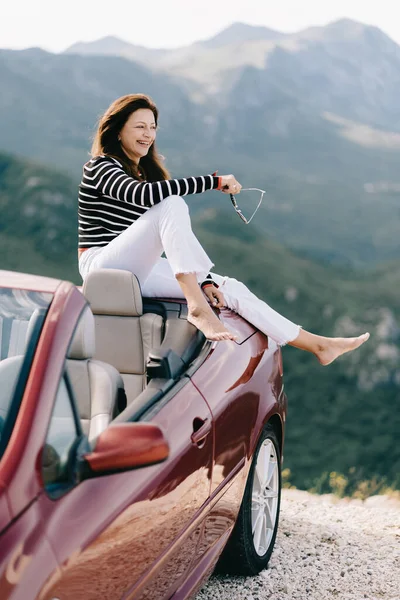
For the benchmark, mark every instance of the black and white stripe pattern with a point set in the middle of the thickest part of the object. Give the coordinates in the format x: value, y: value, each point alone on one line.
x: 110, y: 200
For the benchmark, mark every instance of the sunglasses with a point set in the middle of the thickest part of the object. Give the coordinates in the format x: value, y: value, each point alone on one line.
x: 237, y: 209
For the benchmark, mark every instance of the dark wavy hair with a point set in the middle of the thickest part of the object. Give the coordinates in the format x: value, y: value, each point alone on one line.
x: 106, y: 138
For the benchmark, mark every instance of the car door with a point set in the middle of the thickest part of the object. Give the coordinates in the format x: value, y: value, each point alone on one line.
x: 134, y: 533
x: 26, y: 557
x: 234, y: 401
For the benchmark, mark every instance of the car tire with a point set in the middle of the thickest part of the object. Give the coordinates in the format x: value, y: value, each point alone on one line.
x: 253, y: 538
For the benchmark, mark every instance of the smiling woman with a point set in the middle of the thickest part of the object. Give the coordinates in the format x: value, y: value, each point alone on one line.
x: 131, y: 211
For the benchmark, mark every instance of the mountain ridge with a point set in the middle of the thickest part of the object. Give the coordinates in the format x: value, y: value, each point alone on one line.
x: 247, y: 32
x: 329, y: 65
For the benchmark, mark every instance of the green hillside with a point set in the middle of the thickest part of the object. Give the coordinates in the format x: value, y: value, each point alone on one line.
x: 340, y: 417
x: 38, y: 228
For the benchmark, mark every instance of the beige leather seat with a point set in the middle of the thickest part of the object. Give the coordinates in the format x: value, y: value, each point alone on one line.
x: 124, y: 335
x: 9, y: 371
x: 11, y: 365
x: 97, y: 386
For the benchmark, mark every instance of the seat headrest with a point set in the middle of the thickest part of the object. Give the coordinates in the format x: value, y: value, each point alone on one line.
x: 113, y: 292
x: 83, y: 343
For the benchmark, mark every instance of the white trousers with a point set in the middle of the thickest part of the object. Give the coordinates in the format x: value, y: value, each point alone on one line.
x: 166, y: 228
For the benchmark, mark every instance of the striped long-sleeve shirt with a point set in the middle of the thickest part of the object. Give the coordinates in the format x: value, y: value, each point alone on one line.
x: 110, y: 200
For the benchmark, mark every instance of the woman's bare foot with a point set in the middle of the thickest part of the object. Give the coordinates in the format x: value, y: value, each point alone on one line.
x: 335, y: 347
x: 209, y: 324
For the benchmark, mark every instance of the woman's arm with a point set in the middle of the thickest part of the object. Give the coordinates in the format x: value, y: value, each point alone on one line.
x: 106, y: 175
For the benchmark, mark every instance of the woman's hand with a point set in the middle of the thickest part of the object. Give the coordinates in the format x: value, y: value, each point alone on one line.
x: 229, y: 185
x: 214, y: 296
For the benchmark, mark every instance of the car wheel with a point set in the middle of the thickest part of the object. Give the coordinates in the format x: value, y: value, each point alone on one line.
x: 252, y: 541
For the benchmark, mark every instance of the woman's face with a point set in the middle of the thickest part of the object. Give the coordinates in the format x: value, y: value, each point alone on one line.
x: 138, y: 134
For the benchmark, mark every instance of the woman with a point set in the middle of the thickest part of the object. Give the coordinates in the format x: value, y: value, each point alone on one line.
x: 131, y: 211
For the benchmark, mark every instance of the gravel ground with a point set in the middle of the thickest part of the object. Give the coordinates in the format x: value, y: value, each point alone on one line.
x: 326, y: 548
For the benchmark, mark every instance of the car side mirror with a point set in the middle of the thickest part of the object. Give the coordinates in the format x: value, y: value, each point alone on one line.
x: 125, y: 446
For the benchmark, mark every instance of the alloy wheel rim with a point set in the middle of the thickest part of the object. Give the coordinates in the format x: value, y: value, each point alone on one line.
x: 264, y: 497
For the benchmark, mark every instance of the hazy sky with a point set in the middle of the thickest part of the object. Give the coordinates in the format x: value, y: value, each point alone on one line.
x: 55, y: 24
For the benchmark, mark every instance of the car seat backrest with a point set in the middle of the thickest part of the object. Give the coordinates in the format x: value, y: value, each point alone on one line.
x: 10, y: 366
x: 18, y: 337
x: 124, y: 335
x: 97, y: 386
x: 9, y: 372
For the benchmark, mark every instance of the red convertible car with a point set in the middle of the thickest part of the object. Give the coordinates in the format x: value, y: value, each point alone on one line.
x: 135, y: 456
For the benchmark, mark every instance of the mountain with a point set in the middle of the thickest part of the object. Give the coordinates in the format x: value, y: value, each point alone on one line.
x: 340, y: 30
x: 341, y: 417
x: 158, y: 58
x: 114, y: 46
x: 314, y: 123
x: 345, y: 67
x: 50, y: 104
x: 241, y: 32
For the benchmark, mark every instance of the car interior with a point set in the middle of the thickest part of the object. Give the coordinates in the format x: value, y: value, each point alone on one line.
x: 149, y: 342
x: 127, y: 353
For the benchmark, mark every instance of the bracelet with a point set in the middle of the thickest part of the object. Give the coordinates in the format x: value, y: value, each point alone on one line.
x: 207, y: 283
x: 219, y: 180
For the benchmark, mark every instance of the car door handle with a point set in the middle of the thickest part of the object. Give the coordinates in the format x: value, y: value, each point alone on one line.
x: 202, y: 429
